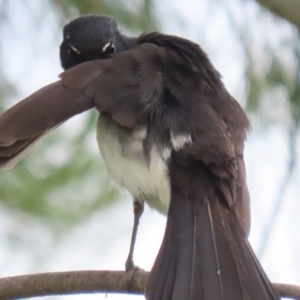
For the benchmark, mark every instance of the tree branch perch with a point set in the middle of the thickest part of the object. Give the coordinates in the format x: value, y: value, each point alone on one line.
x: 89, y: 282
x: 287, y: 9
x: 74, y: 282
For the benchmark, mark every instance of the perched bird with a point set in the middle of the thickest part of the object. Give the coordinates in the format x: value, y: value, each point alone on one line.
x: 171, y: 134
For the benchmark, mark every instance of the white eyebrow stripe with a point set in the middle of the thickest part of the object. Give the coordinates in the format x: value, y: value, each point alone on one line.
x: 106, y: 46
x: 74, y: 49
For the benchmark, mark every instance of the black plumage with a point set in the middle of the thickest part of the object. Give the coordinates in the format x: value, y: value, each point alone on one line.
x: 165, y: 113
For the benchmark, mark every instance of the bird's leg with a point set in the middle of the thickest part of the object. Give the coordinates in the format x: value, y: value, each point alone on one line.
x: 138, y: 209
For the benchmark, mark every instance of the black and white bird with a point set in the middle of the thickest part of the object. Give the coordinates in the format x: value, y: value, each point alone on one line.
x: 171, y: 134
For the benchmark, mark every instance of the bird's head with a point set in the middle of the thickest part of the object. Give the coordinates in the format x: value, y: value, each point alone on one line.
x: 91, y: 37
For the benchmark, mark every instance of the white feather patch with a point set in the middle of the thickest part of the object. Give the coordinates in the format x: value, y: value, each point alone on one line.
x: 129, y: 169
x: 166, y: 153
x: 74, y: 49
x: 180, y: 140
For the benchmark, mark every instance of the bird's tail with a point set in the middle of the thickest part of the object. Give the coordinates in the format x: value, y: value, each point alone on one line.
x: 206, y: 256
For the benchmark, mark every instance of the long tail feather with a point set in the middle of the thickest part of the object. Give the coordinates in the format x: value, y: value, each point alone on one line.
x: 205, y: 255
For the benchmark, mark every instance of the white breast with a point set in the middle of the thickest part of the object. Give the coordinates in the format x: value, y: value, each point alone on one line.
x: 122, y: 152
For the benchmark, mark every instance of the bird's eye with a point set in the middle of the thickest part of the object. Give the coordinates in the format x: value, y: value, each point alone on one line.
x: 111, y: 50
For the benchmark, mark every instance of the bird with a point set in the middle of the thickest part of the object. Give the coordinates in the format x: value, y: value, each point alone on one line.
x: 172, y: 135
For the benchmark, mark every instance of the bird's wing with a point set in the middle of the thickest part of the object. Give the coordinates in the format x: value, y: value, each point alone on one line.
x: 165, y: 83
x: 122, y: 87
x: 25, y: 123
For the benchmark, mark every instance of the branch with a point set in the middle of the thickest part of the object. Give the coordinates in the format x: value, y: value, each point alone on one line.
x: 287, y: 9
x: 287, y: 290
x: 74, y: 282
x: 90, y: 282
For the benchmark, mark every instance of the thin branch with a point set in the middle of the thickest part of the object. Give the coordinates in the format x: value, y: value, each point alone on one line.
x: 287, y: 290
x: 288, y: 9
x: 74, y: 282
x: 90, y: 282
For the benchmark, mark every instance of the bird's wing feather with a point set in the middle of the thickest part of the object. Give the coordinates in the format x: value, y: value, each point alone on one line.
x: 23, y: 124
x: 164, y: 82
x: 120, y: 87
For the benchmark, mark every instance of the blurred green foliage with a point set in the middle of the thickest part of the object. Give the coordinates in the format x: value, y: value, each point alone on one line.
x: 136, y: 15
x: 269, y: 84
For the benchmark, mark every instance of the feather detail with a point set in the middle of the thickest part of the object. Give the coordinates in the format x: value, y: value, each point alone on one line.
x: 205, y: 254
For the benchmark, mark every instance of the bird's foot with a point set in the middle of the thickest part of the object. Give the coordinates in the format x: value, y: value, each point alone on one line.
x: 131, y: 267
